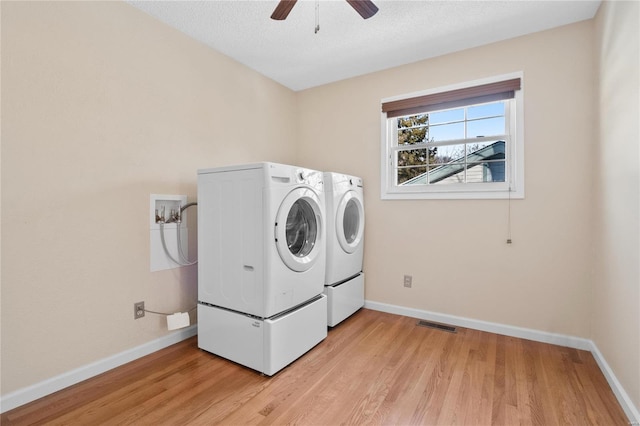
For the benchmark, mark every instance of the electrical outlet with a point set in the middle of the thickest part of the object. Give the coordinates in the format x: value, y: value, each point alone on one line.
x: 407, y: 280
x: 138, y: 310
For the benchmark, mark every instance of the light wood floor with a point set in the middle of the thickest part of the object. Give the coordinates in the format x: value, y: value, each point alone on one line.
x: 374, y: 368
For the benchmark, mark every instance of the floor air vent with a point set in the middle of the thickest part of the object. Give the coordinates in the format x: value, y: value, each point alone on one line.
x: 443, y: 327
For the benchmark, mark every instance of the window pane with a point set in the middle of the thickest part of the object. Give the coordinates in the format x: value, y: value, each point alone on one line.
x: 477, y: 152
x: 486, y: 110
x: 446, y: 174
x: 413, y: 120
x: 485, y: 127
x: 478, y: 172
x: 490, y: 171
x: 412, y: 176
x: 446, y: 154
x: 497, y: 169
x: 446, y: 116
x: 413, y: 129
x: 446, y: 132
x: 413, y: 136
x: 412, y: 157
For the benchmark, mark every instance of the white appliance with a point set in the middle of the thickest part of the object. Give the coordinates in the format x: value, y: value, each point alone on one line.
x: 344, y: 279
x: 261, y: 263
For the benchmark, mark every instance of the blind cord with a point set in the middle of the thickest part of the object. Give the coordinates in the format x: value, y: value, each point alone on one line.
x: 509, y: 241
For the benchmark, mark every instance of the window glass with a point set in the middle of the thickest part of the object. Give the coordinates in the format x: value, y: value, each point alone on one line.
x: 446, y: 132
x: 485, y: 127
x: 467, y: 162
x: 447, y: 154
x: 413, y: 129
x: 485, y: 110
x: 446, y: 174
x: 411, y: 175
x: 411, y: 163
x: 447, y: 116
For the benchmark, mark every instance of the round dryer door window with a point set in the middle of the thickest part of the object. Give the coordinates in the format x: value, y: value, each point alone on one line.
x: 350, y: 222
x: 298, y: 229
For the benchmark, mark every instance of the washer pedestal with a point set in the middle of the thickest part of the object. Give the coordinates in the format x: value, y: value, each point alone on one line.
x: 265, y: 345
x: 344, y: 299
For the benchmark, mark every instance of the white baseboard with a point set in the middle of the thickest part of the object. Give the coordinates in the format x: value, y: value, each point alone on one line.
x: 524, y: 333
x: 54, y: 384
x: 623, y: 398
x: 491, y: 327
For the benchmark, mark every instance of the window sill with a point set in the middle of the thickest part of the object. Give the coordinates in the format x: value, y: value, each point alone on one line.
x: 453, y: 195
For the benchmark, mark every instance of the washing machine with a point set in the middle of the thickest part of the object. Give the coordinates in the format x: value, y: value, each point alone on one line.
x: 344, y: 279
x: 261, y: 263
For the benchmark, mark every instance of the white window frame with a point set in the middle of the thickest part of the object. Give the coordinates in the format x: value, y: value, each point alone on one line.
x: 513, y: 187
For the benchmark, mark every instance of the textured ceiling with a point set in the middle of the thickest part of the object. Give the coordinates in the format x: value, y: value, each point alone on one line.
x: 291, y: 53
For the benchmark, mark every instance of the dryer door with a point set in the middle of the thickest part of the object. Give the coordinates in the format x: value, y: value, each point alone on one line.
x: 350, y: 221
x: 298, y: 226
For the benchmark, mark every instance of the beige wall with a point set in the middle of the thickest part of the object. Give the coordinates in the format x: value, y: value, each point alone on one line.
x: 616, y: 294
x: 456, y: 249
x: 102, y: 106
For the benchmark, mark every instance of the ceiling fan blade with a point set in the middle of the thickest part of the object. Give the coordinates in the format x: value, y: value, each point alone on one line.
x: 282, y: 9
x: 365, y: 8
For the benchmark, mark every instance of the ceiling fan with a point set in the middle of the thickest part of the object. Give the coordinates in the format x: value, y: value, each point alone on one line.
x: 365, y: 8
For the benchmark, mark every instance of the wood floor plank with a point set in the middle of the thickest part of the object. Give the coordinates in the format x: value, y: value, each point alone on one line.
x: 411, y: 390
x: 374, y: 368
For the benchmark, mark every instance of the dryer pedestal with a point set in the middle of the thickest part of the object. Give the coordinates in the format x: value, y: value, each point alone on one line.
x: 265, y: 345
x: 344, y: 299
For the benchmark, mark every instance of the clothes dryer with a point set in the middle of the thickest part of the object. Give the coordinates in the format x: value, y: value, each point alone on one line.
x: 261, y: 267
x: 344, y: 279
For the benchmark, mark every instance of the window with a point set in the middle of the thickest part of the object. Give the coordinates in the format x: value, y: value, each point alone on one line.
x: 455, y: 142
